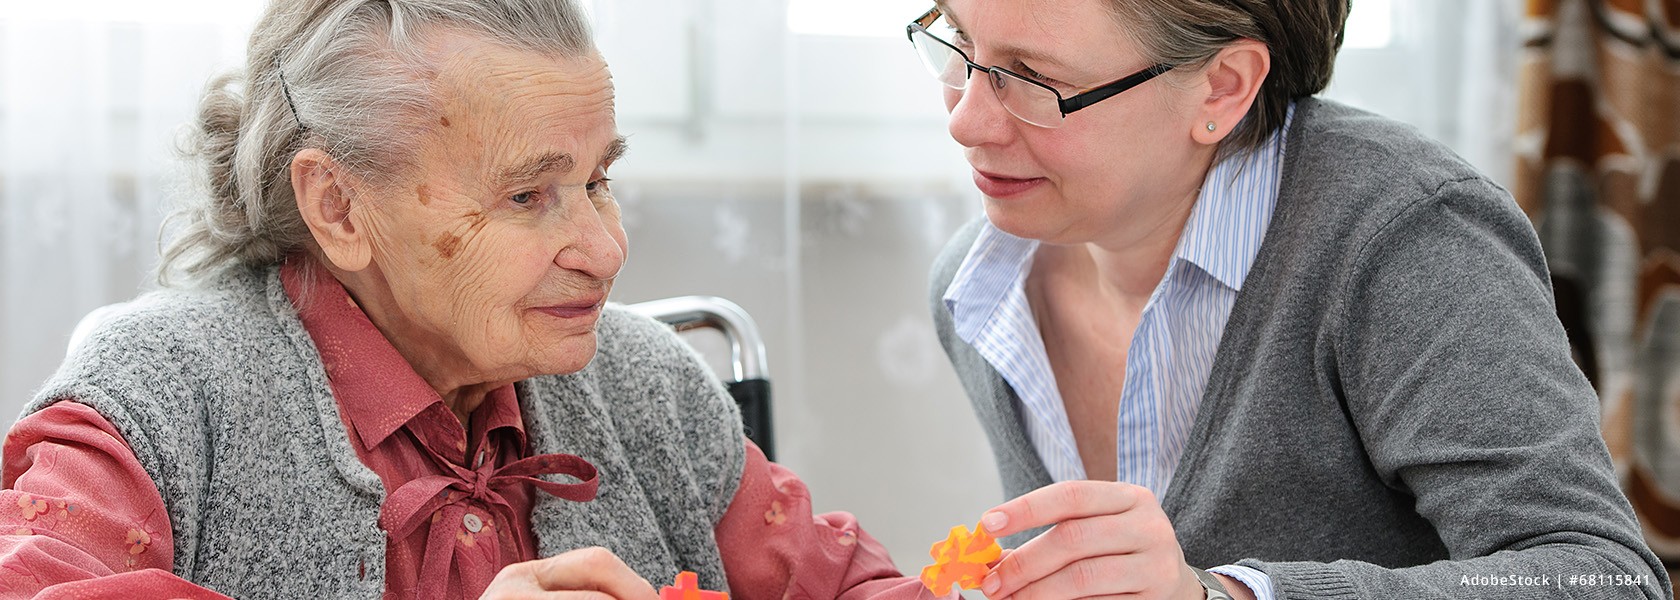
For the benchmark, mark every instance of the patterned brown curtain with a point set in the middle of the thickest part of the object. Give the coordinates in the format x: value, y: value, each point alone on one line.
x: 1598, y: 171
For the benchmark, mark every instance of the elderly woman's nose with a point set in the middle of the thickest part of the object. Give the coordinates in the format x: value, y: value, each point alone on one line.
x: 593, y: 246
x: 977, y: 116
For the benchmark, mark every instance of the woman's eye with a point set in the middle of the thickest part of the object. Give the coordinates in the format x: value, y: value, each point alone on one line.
x: 523, y: 198
x: 1035, y: 74
x: 961, y: 39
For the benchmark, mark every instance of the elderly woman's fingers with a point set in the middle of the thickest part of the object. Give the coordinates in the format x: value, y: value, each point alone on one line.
x: 585, y: 573
x: 571, y: 596
x: 592, y: 569
x: 536, y: 594
x: 542, y: 595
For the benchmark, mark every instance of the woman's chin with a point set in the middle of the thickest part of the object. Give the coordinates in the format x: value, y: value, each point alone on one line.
x: 1020, y: 220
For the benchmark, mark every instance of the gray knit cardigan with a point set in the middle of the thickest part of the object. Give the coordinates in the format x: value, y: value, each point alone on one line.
x: 1392, y: 411
x: 223, y: 398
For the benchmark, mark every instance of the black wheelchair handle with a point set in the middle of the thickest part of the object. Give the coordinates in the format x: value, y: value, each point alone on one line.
x: 753, y: 396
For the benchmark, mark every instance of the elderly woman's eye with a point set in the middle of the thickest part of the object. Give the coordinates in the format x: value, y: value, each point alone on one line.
x: 523, y: 198
x: 599, y: 185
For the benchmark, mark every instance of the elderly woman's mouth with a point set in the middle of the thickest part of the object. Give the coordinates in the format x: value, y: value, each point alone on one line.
x: 587, y: 306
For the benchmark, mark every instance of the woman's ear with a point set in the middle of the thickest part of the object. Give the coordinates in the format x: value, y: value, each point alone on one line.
x: 323, y: 195
x: 1234, y: 78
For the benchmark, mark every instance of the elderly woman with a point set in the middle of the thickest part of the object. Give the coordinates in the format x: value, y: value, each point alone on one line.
x: 394, y: 371
x: 1211, y: 322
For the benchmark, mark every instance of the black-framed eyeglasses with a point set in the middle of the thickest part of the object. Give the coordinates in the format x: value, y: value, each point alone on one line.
x: 1028, y: 100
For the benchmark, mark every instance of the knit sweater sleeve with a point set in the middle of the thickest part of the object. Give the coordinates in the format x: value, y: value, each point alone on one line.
x: 659, y: 364
x: 1455, y: 372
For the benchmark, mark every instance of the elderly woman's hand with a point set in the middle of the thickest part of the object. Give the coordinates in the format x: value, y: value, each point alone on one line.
x: 592, y: 573
x: 1109, y: 539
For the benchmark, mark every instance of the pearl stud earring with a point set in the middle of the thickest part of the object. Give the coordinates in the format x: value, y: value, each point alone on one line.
x: 1211, y: 126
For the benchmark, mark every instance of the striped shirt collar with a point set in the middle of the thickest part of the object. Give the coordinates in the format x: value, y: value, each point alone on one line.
x: 995, y: 266
x: 1233, y: 209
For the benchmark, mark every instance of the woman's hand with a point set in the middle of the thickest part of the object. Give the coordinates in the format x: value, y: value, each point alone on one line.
x: 585, y: 574
x: 1109, y: 539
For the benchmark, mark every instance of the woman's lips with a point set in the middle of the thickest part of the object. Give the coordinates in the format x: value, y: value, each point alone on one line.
x: 997, y: 186
x: 583, y: 307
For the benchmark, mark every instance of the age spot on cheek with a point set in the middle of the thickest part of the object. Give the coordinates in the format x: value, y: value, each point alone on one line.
x: 444, y: 121
x: 449, y: 243
x: 424, y: 193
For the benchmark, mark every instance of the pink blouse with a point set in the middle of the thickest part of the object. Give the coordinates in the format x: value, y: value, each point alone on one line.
x: 80, y: 518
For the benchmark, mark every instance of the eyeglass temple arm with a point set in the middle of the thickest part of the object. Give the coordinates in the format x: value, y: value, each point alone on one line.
x: 922, y: 22
x: 1104, y: 92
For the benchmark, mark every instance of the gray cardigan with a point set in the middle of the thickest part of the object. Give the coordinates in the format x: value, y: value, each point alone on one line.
x: 223, y: 398
x: 1393, y: 411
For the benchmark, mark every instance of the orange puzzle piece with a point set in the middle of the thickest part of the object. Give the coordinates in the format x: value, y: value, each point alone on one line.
x: 688, y: 588
x: 960, y: 560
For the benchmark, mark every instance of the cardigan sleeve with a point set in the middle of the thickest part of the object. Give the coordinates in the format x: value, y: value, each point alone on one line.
x: 1455, y: 372
x: 79, y: 517
x: 773, y: 547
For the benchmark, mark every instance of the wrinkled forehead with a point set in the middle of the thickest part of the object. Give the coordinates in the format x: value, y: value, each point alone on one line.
x: 469, y: 71
x: 500, y: 104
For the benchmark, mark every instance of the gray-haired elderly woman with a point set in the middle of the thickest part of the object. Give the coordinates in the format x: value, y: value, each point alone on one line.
x: 393, y: 371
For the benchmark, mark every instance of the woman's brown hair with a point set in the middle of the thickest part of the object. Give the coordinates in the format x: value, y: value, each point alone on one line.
x: 1303, y: 37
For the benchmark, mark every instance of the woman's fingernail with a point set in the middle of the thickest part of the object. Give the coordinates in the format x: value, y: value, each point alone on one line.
x: 989, y: 585
x: 994, y: 520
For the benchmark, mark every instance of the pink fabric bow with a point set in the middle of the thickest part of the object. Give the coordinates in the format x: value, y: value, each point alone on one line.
x: 413, y: 505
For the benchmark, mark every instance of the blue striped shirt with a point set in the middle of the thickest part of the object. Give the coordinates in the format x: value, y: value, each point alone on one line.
x: 1172, y: 349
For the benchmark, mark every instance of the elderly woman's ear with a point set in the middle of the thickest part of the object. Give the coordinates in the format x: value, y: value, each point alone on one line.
x: 1234, y: 77
x: 324, y: 200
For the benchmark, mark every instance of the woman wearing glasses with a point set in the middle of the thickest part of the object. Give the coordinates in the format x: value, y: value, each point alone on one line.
x: 1210, y: 321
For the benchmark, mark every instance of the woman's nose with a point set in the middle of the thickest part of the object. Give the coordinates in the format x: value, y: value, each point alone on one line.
x: 594, y: 242
x: 978, y: 118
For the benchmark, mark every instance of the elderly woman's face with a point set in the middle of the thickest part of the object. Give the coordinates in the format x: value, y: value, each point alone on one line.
x: 500, y: 250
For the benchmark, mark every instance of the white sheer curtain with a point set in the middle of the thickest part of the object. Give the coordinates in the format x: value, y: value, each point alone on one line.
x: 92, y: 95
x: 1446, y: 66
x: 798, y: 166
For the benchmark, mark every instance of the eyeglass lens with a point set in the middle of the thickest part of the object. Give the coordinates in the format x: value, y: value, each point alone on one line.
x: 1027, y: 101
